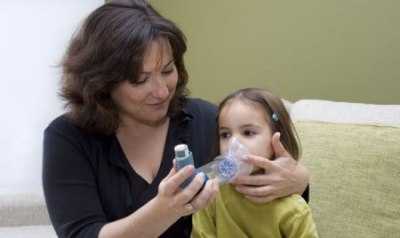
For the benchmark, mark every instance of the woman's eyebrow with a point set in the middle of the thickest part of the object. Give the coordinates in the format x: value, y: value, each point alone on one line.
x: 165, y: 66
x: 169, y: 63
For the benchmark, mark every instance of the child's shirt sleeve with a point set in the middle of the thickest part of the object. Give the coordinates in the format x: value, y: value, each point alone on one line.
x: 299, y: 225
x: 204, y: 225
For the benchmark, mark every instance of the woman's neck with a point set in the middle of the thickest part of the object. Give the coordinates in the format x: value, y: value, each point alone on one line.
x: 132, y: 129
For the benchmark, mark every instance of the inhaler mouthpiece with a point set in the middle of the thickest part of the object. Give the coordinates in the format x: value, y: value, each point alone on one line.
x: 233, y: 165
x: 226, y: 167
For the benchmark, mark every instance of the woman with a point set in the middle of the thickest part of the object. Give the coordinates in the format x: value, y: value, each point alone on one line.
x: 108, y: 162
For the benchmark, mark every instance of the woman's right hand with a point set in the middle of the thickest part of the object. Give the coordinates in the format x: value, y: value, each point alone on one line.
x: 183, y: 202
x: 170, y: 204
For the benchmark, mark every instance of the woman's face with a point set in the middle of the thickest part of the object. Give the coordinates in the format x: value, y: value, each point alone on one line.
x: 246, y: 122
x: 147, y: 100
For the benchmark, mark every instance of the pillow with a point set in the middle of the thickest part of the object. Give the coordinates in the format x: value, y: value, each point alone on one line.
x: 345, y: 112
x: 355, y: 184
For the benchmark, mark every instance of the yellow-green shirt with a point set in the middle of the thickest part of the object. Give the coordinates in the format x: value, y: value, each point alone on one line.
x: 232, y: 215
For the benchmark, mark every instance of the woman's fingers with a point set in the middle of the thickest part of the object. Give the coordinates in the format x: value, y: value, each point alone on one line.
x: 206, y: 195
x: 254, y: 180
x: 174, y: 179
x: 258, y: 194
x: 171, y: 172
x: 260, y: 191
x: 260, y: 162
x: 187, y: 194
x: 188, y: 200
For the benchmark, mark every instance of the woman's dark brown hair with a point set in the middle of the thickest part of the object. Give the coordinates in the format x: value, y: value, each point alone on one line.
x: 271, y: 104
x: 108, y: 49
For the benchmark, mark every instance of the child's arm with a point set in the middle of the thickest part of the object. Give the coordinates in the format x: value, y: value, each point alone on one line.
x: 299, y: 224
x: 204, y: 225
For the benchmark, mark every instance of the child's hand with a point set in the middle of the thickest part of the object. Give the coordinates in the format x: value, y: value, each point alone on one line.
x: 278, y: 178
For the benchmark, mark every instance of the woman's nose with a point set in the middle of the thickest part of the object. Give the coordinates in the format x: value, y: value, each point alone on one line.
x: 160, y: 89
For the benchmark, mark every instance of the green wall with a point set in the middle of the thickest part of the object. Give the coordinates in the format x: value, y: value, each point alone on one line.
x: 336, y: 50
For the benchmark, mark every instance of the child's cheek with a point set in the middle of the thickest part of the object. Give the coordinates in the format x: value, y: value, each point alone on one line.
x: 223, y: 146
x: 261, y: 147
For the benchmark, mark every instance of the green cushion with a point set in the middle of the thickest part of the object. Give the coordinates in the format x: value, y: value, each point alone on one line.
x: 355, y: 184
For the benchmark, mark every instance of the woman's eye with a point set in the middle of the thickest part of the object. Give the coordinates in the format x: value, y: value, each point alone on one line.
x: 140, y: 81
x: 168, y: 72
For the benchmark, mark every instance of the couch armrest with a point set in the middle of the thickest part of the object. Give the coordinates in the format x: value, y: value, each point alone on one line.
x: 19, y: 208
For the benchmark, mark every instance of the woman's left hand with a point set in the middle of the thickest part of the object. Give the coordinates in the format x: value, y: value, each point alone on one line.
x: 279, y: 178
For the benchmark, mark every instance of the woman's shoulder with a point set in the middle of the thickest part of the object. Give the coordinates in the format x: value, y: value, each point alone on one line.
x: 64, y: 126
x: 200, y: 107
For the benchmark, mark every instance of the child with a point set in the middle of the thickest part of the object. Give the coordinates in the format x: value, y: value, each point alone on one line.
x: 253, y: 116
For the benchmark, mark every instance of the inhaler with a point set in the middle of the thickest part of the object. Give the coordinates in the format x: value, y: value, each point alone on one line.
x: 183, y: 157
x: 226, y: 167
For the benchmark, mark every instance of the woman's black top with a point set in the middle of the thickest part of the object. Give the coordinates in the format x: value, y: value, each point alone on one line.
x: 89, y: 182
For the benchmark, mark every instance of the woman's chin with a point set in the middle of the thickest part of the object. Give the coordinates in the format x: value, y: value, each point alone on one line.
x: 158, y: 118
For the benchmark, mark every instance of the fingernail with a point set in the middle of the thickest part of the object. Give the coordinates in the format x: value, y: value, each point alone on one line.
x: 246, y: 158
x: 202, y: 175
x: 189, y: 168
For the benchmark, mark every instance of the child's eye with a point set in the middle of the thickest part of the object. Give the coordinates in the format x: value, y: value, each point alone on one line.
x: 224, y: 135
x: 249, y: 133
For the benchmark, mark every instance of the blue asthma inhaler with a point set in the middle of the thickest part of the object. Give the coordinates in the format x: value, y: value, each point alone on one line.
x: 184, y: 157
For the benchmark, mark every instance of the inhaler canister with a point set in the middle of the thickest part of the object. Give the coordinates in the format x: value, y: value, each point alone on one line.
x: 183, y: 157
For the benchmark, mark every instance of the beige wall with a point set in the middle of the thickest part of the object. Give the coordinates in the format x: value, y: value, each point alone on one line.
x: 337, y: 50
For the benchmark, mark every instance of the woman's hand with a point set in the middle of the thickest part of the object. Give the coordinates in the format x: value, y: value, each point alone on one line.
x: 278, y: 178
x: 171, y: 203
x: 182, y: 202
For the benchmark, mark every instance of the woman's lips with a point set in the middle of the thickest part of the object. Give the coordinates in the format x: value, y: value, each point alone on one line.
x: 161, y: 104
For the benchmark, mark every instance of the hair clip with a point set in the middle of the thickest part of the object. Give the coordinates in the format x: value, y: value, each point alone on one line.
x: 275, y: 117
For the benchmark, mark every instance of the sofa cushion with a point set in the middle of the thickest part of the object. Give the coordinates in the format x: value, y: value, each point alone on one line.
x: 355, y: 188
x: 43, y: 231
x: 345, y: 112
x: 25, y: 208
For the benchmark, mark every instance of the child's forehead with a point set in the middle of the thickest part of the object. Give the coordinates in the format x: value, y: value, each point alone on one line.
x: 244, y: 102
x: 244, y: 109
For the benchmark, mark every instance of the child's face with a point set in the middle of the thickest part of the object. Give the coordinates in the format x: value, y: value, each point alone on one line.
x: 248, y: 123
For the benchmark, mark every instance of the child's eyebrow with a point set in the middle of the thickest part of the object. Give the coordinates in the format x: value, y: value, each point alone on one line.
x: 249, y: 125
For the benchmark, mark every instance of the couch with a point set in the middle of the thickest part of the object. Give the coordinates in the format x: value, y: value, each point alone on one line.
x: 351, y: 149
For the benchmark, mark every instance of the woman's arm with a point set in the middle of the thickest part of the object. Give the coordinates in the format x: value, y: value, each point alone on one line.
x: 166, y: 208
x: 76, y: 209
x: 279, y: 178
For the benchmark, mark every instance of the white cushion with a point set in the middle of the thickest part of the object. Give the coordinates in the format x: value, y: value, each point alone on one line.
x: 28, y: 232
x: 345, y: 112
x: 22, y: 208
